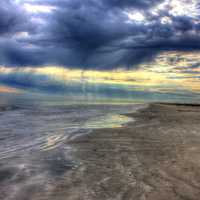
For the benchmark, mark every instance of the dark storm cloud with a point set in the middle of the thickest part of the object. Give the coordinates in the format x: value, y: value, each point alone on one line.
x: 91, y: 33
x: 13, y: 54
x: 12, y: 18
x: 139, y: 4
x: 130, y: 3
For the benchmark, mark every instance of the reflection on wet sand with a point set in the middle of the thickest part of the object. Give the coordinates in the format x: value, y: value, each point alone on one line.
x: 26, y: 129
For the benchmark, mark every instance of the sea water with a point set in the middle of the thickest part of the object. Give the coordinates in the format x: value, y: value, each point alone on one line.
x: 35, y: 138
x: 25, y: 129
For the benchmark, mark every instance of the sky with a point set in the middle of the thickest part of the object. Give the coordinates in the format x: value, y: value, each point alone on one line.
x: 132, y: 49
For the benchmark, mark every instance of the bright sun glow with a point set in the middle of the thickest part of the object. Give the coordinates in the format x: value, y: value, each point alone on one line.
x: 184, y: 7
x: 38, y: 8
x: 178, y: 8
x: 135, y: 16
x: 20, y: 35
x: 166, y: 20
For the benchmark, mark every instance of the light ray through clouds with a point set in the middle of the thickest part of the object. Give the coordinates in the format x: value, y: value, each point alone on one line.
x: 172, y: 73
x: 150, y: 46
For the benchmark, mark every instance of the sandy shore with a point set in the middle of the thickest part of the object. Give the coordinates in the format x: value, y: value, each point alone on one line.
x: 157, y: 157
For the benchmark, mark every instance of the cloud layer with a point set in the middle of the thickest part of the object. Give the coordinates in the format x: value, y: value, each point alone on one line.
x: 101, y: 34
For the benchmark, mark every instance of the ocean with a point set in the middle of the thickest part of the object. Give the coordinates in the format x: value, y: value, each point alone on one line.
x: 37, y: 128
x: 34, y: 142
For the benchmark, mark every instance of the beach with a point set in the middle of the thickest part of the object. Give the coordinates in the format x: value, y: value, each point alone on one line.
x: 154, y: 157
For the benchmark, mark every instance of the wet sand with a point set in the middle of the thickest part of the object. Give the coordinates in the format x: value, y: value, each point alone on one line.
x: 156, y: 157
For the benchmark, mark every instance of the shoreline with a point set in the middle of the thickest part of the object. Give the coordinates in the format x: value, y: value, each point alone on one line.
x: 154, y: 157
